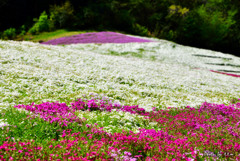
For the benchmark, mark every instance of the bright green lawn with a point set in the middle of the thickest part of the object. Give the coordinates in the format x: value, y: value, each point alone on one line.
x: 45, y: 36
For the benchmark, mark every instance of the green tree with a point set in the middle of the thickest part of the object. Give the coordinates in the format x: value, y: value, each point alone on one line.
x: 62, y: 16
x: 41, y: 24
x: 215, y: 24
x: 208, y: 25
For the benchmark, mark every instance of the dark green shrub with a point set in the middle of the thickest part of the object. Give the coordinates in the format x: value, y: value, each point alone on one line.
x: 22, y: 30
x: 150, y: 14
x: 155, y: 21
x: 9, y: 33
x: 169, y: 34
x: 90, y: 17
x: 215, y: 25
x: 189, y: 31
x: 207, y: 26
x: 41, y: 24
x: 123, y: 20
x: 140, y: 30
x: 62, y: 16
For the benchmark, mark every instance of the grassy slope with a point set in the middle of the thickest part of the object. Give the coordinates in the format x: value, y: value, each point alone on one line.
x: 45, y: 36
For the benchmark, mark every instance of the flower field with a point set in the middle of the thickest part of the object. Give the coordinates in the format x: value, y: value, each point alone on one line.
x: 96, y: 37
x: 116, y: 99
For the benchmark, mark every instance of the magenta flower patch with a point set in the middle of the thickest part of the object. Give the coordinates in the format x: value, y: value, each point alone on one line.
x: 52, y: 112
x: 208, y: 132
x: 64, y: 115
x: 96, y: 37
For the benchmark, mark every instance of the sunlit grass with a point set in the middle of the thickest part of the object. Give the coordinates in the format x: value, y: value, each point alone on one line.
x: 45, y: 36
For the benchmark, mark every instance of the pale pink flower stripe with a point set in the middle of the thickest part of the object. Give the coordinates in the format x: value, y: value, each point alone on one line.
x: 96, y: 37
x: 234, y: 75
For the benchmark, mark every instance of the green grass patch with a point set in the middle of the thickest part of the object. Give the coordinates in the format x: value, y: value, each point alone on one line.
x: 46, y: 36
x: 24, y: 125
x: 116, y: 121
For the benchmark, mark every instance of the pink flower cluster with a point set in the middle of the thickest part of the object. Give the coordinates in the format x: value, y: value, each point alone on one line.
x: 186, y: 134
x: 96, y: 37
x: 62, y: 114
x: 52, y: 112
x: 101, y: 105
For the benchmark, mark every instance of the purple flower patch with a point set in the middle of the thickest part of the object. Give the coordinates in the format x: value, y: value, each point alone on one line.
x: 96, y: 37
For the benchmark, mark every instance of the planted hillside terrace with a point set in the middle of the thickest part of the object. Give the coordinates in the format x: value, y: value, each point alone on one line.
x: 117, y: 101
x: 96, y: 37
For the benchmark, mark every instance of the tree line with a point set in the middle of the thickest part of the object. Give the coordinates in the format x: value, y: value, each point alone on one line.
x: 211, y: 24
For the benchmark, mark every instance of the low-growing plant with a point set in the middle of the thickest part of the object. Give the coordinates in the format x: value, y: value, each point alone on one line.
x: 23, y: 125
x: 209, y: 132
x: 9, y: 33
x: 116, y: 121
x: 22, y: 30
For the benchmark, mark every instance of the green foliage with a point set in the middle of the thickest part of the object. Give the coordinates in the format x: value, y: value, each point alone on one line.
x: 140, y: 30
x: 215, y: 24
x: 150, y: 14
x: 25, y: 126
x: 9, y: 33
x: 124, y: 20
x: 176, y: 9
x: 22, y: 30
x: 62, y: 16
x: 89, y: 16
x: 41, y: 24
x: 207, y: 25
x: 116, y: 121
x: 189, y: 29
x: 171, y: 35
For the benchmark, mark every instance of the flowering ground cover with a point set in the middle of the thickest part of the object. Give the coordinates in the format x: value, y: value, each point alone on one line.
x: 95, y: 102
x: 96, y: 37
x: 211, y: 131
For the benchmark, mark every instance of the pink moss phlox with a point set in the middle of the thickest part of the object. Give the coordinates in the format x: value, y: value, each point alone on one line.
x: 64, y: 115
x: 52, y: 112
x: 221, y: 109
x: 97, y: 37
x: 186, y: 134
x: 101, y: 105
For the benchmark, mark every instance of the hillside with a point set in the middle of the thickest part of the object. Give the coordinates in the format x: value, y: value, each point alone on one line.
x: 149, y: 74
x: 157, y: 74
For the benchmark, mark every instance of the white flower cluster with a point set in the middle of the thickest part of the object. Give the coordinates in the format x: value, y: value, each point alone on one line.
x: 3, y: 123
x: 116, y: 121
x: 168, y: 52
x: 157, y: 74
